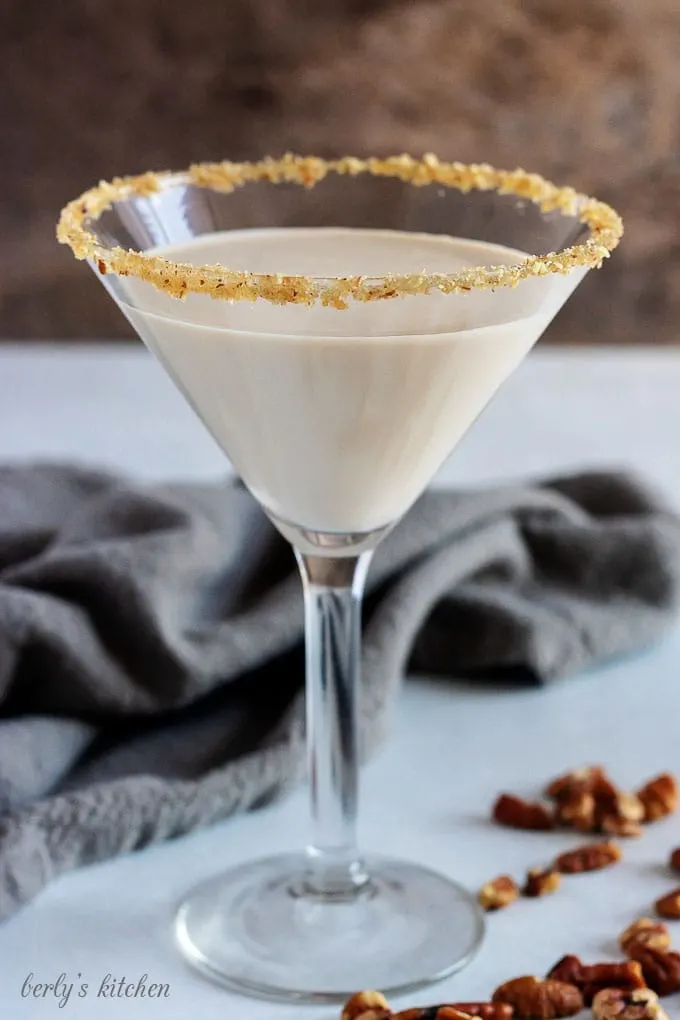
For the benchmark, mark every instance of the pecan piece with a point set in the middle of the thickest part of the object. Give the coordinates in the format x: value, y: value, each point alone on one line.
x: 589, y: 857
x: 486, y: 1010
x: 590, y: 779
x: 587, y: 800
x: 661, y: 970
x: 646, y: 932
x: 620, y: 814
x: 366, y: 1005
x: 611, y: 825
x: 540, y: 882
x: 533, y: 999
x: 659, y: 797
x: 617, y: 1004
x: 498, y: 893
x: 522, y: 814
x: 577, y: 811
x: 669, y: 905
x: 591, y: 978
x: 627, y: 976
x: 569, y: 969
x: 628, y: 807
x: 674, y: 859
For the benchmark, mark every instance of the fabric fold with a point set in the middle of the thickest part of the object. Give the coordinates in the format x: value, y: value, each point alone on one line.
x: 151, y: 638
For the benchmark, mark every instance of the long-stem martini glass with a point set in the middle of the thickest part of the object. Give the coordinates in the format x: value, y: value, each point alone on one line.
x: 341, y: 324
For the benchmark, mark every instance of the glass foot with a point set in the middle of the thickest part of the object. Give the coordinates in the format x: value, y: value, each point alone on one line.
x: 257, y: 931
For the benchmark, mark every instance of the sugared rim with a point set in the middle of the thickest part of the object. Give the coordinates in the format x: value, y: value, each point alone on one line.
x: 179, y: 279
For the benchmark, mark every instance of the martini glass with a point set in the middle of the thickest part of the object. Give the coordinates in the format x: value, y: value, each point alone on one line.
x: 337, y: 327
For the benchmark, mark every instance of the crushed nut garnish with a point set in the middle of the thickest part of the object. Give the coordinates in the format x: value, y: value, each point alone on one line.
x: 179, y: 279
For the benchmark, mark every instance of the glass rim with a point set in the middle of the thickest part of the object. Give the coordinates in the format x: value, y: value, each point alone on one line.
x: 178, y: 279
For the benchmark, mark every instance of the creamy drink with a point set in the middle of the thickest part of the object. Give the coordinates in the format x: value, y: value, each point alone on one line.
x: 338, y: 419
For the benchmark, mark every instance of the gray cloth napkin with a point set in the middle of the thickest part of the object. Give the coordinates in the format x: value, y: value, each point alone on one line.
x: 151, y: 660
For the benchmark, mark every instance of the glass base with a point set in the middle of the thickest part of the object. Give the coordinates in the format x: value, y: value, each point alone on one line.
x: 256, y: 930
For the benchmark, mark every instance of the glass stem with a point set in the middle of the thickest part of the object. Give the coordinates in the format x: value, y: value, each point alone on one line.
x: 333, y: 590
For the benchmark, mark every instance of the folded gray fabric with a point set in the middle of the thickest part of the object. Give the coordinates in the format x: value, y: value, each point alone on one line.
x: 151, y: 661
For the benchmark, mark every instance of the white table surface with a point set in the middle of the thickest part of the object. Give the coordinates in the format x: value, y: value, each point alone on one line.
x: 453, y: 746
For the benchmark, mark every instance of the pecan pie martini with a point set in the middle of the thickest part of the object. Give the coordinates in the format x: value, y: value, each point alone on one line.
x: 337, y: 326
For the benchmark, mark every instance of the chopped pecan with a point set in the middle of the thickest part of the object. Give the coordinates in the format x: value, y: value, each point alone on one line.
x: 569, y: 969
x: 540, y: 882
x: 620, y: 814
x: 589, y: 857
x: 590, y: 779
x: 534, y: 999
x: 611, y: 825
x: 659, y: 797
x: 587, y: 800
x: 522, y: 814
x: 674, y: 859
x: 590, y: 978
x: 646, y: 932
x: 628, y: 807
x: 627, y: 976
x: 577, y: 810
x: 366, y: 1005
x: 661, y: 970
x: 617, y: 1004
x: 498, y: 893
x: 486, y: 1010
x: 669, y: 905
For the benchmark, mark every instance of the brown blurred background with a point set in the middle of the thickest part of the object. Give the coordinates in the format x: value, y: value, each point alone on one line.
x: 584, y: 91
